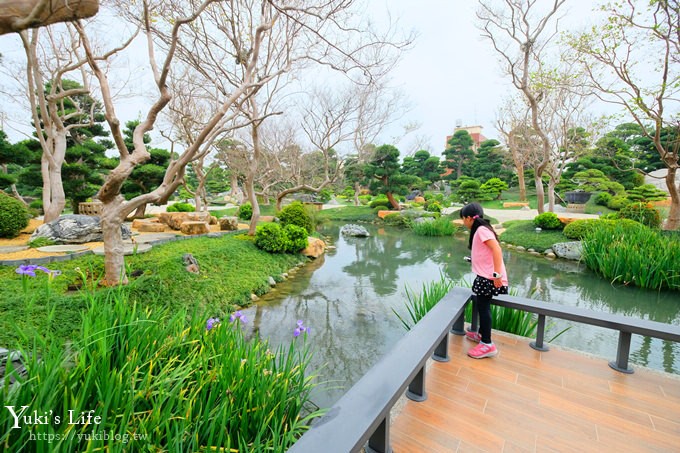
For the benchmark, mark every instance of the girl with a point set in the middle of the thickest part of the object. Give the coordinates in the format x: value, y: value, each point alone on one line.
x: 491, y: 280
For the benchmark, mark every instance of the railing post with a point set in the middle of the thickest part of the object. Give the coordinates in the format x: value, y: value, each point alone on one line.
x: 622, y: 352
x: 540, y: 334
x: 458, y: 327
x: 441, y: 353
x: 416, y: 389
x: 379, y: 441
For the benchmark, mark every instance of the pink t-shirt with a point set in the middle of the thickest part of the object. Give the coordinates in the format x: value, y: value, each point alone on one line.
x: 482, y: 257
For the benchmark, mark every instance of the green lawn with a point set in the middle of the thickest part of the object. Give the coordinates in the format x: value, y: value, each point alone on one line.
x: 523, y: 232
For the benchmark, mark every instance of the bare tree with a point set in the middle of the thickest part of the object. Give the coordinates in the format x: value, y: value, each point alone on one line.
x: 512, y: 121
x: 233, y: 48
x: 54, y: 54
x: 517, y: 30
x: 632, y: 61
x: 19, y: 15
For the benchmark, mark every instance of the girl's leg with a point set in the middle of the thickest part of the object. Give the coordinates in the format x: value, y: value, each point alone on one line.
x: 484, y: 310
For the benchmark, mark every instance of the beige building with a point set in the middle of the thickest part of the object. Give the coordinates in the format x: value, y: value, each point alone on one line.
x: 474, y: 131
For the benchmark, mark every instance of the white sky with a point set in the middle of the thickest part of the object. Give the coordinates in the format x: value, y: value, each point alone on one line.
x: 451, y: 74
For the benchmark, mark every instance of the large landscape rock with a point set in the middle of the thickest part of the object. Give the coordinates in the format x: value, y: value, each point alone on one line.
x: 229, y: 223
x: 74, y: 229
x: 315, y: 247
x: 354, y: 230
x: 568, y: 250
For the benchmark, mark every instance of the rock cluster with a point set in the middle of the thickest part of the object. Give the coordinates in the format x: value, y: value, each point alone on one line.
x: 354, y: 230
x: 74, y: 229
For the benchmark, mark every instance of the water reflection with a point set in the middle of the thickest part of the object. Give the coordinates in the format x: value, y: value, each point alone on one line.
x: 348, y: 296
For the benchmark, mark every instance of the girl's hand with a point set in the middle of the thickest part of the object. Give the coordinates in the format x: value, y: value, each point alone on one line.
x: 497, y: 282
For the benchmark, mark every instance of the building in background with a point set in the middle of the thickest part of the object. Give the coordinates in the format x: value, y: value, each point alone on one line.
x: 474, y: 131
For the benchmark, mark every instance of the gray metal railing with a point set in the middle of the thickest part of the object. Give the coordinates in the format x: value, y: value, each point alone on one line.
x: 362, y: 414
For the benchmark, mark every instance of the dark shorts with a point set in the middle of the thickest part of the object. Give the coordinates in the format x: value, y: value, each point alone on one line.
x: 485, y: 287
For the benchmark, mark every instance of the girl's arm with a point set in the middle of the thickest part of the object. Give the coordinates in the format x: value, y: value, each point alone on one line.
x: 497, y: 254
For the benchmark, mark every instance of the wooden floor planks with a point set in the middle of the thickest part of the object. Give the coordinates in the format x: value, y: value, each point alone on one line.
x: 530, y: 401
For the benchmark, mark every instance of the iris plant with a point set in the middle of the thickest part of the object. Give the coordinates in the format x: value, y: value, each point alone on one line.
x: 238, y: 315
x: 300, y: 329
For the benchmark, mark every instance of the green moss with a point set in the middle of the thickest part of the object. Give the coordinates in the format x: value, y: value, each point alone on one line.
x: 523, y: 232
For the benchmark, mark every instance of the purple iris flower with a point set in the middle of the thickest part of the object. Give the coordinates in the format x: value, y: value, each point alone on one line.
x: 299, y: 329
x: 238, y: 315
x: 211, y: 323
x: 29, y: 269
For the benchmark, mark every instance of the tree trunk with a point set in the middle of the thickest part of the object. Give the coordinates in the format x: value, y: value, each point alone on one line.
x: 540, y: 193
x: 114, y: 261
x: 551, y: 195
x: 357, y: 189
x: 22, y: 14
x: 393, y: 201
x: 673, y: 221
x: 522, y: 184
x: 140, y: 213
x: 250, y: 193
x: 54, y: 198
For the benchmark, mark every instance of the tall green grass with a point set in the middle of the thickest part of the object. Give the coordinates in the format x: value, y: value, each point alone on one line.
x: 158, y: 383
x: 503, y: 318
x: 631, y: 254
x: 437, y: 227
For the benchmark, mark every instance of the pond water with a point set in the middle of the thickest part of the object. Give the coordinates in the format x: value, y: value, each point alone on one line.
x: 347, y: 298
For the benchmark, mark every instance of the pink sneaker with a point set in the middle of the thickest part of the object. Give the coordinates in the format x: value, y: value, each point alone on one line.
x: 473, y: 336
x: 483, y: 350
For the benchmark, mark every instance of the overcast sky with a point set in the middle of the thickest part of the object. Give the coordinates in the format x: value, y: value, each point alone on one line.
x: 450, y: 75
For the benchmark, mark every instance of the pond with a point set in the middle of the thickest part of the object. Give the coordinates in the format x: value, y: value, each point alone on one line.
x: 347, y: 299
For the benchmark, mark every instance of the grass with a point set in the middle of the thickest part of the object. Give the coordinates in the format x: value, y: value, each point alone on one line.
x: 631, y: 254
x: 438, y: 227
x: 348, y: 214
x: 523, y: 232
x: 231, y: 268
x: 158, y: 382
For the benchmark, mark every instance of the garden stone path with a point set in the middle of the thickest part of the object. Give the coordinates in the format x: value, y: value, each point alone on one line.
x: 62, y: 248
x: 13, y: 248
x: 152, y: 237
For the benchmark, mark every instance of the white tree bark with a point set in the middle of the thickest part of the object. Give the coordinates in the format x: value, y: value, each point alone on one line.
x: 19, y: 15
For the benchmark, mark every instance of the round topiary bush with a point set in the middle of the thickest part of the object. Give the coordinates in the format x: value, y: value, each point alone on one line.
x: 296, y: 214
x: 181, y: 207
x: 603, y: 198
x: 548, y: 221
x: 644, y: 213
x: 271, y: 238
x: 245, y: 211
x: 578, y: 229
x: 379, y: 201
x: 296, y: 238
x: 618, y: 202
x: 13, y: 216
x: 380, y: 207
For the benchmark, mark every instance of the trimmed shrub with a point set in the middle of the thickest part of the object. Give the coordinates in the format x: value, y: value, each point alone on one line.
x: 245, y: 211
x: 603, y: 198
x: 379, y: 201
x: 578, y: 229
x: 381, y: 207
x: 296, y: 214
x: 296, y: 238
x: 364, y: 199
x: 548, y: 221
x: 181, y: 207
x: 396, y: 219
x: 433, y: 207
x: 13, y: 216
x: 646, y: 192
x: 438, y: 227
x: 644, y: 213
x: 618, y: 202
x: 271, y: 238
x: 325, y: 195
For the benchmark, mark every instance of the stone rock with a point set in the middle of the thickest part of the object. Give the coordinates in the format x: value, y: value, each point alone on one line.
x: 173, y: 219
x: 520, y: 248
x: 254, y: 298
x: 315, y: 248
x: 568, y: 250
x: 199, y: 217
x: 228, y: 223
x: 136, y: 223
x: 17, y: 364
x: 213, y: 220
x: 74, y: 229
x: 271, y: 280
x: 194, y: 227
x: 191, y: 265
x: 550, y: 255
x: 150, y: 227
x: 351, y: 229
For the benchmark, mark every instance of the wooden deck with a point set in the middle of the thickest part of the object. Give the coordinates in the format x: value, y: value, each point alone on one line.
x: 529, y: 401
